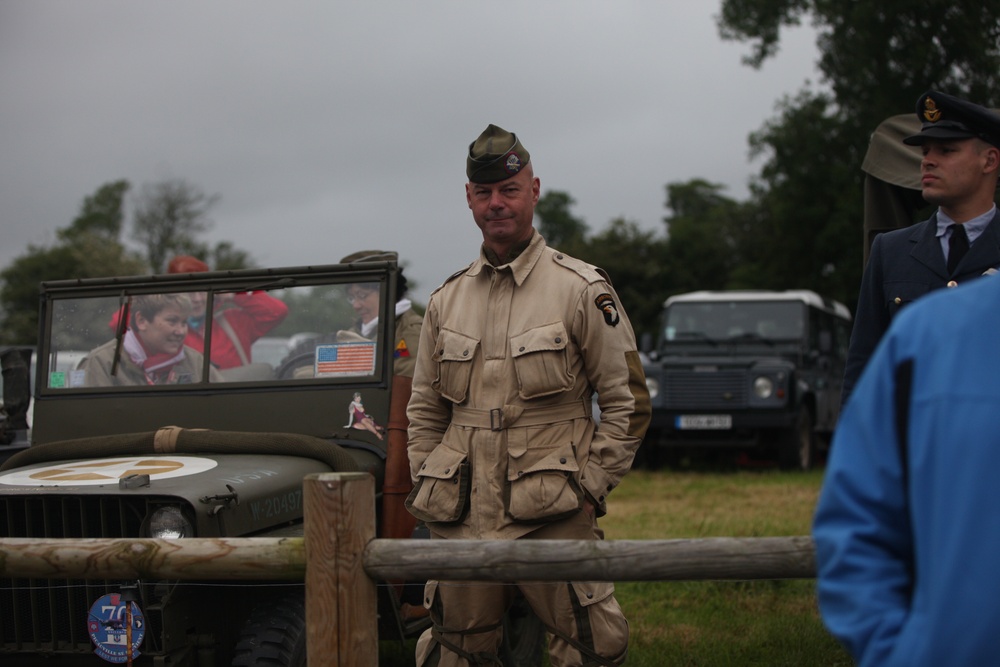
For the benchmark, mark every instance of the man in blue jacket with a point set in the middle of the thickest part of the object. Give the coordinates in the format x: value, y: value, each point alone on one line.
x: 959, y: 176
x: 907, y: 528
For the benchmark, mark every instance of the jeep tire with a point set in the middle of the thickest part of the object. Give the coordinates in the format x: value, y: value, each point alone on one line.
x: 274, y: 635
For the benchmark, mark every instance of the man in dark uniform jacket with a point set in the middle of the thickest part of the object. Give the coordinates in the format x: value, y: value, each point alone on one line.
x: 960, y: 142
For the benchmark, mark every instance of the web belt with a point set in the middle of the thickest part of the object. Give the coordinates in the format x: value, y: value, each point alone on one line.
x: 498, y: 419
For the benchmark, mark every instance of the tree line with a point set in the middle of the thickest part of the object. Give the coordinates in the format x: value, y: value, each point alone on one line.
x: 802, y: 225
x: 168, y: 218
x: 800, y: 228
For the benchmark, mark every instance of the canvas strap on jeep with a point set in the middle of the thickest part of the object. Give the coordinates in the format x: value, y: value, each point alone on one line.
x: 498, y: 419
x: 228, y: 328
x: 165, y: 439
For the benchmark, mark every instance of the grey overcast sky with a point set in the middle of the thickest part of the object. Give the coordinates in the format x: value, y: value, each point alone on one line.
x: 327, y: 127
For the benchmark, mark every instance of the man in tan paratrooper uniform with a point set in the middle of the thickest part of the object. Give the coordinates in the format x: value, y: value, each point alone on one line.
x: 502, y: 444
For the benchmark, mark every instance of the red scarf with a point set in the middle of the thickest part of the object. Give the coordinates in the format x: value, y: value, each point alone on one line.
x: 150, y: 363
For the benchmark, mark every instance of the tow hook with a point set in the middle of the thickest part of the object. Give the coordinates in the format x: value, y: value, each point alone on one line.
x: 226, y: 500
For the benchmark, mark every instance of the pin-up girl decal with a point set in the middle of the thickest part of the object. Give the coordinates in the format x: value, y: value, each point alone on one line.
x: 361, y: 420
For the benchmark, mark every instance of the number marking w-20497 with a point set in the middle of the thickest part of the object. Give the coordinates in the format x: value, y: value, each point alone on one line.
x: 278, y: 505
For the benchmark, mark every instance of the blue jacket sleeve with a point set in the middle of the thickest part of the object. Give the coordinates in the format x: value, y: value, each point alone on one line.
x: 861, y: 527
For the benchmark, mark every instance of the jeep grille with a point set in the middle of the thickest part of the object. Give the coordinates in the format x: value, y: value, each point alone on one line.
x: 706, y: 390
x: 50, y: 615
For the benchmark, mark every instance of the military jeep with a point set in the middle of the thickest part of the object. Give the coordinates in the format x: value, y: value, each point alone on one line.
x: 220, y: 453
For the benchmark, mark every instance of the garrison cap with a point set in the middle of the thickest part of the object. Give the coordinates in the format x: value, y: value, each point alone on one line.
x: 494, y: 156
x: 947, y: 117
x: 371, y: 256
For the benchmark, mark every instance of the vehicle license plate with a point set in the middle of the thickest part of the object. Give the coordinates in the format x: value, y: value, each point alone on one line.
x: 715, y: 422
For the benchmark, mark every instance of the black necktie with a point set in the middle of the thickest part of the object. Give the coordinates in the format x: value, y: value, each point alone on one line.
x: 957, y: 246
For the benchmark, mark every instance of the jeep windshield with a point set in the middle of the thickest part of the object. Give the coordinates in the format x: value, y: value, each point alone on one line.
x: 161, y: 340
x: 716, y: 322
x: 278, y: 350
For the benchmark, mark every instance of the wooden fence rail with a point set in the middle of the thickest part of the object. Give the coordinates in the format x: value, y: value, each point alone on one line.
x: 339, y: 559
x: 616, y: 560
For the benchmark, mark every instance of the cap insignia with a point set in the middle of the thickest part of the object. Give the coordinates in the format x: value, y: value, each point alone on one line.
x: 931, y: 113
x: 512, y: 163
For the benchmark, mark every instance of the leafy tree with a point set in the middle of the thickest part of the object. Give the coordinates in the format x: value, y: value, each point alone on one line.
x: 223, y: 256
x: 19, y: 294
x: 227, y: 256
x: 877, y: 56
x: 704, y: 239
x: 634, y: 259
x: 560, y: 228
x: 88, y: 248
x: 169, y: 216
x: 101, y: 214
x: 875, y: 60
x: 803, y: 236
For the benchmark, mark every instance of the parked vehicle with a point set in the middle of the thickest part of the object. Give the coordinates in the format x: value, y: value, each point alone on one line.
x: 746, y: 370
x: 15, y: 433
x: 218, y: 455
x: 15, y: 403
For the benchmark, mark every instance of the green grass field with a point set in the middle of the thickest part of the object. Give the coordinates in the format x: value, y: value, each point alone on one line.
x: 715, y: 623
x: 722, y: 623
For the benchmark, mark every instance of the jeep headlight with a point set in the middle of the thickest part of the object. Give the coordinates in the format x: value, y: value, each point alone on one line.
x: 653, y: 387
x: 169, y: 523
x: 763, y: 387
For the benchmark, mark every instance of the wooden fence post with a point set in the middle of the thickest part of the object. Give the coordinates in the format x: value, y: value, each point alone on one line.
x: 341, y: 606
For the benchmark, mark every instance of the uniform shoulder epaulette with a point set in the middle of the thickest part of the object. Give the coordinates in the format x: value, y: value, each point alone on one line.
x: 589, y: 272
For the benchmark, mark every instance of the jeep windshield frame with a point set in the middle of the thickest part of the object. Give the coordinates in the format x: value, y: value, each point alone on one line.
x: 78, y: 318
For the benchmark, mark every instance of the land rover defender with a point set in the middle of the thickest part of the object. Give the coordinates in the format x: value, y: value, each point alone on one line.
x: 756, y: 371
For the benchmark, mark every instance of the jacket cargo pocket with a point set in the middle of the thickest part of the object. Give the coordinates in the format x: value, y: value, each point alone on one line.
x: 597, y: 603
x: 540, y: 361
x: 441, y: 494
x: 453, y: 356
x: 541, y: 483
x: 592, y: 592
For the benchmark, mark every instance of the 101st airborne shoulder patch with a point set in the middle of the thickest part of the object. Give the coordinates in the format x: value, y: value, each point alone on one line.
x: 606, y: 304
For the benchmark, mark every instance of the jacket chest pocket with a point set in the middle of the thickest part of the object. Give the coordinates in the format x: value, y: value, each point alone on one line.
x: 454, y: 355
x: 541, y: 362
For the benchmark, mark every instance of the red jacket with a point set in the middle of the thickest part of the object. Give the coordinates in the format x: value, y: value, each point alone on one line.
x: 250, y: 314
